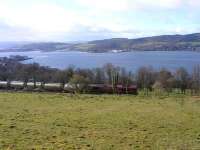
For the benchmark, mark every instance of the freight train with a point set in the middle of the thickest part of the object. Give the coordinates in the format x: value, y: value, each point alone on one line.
x: 70, y: 88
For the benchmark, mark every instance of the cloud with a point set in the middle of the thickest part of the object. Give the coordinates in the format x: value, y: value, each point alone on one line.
x: 111, y: 5
x: 194, y: 3
x: 159, y: 4
x: 48, y: 21
x: 10, y: 33
x: 124, y: 5
x: 137, y: 5
x: 95, y: 19
x: 39, y: 17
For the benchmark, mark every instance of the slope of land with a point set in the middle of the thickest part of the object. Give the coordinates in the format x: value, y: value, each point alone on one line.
x: 190, y: 42
x: 42, y: 46
x: 59, y: 121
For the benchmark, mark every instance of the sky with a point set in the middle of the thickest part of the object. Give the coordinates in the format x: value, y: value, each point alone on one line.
x: 85, y: 20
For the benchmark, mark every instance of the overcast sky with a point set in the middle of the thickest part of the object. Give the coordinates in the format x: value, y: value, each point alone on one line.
x: 82, y: 20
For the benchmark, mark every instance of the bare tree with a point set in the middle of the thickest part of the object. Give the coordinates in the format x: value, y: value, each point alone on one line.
x: 108, y: 70
x: 182, y: 78
x: 99, y: 76
x: 145, y: 78
x: 79, y: 83
x: 164, y: 77
x: 196, y: 79
x: 63, y: 76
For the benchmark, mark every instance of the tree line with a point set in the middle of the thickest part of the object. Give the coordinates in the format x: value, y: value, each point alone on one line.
x: 146, y: 78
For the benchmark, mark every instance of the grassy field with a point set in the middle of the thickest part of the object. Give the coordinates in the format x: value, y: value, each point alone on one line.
x: 102, y: 122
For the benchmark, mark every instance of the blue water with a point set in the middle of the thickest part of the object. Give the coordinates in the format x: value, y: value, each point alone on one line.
x: 130, y: 60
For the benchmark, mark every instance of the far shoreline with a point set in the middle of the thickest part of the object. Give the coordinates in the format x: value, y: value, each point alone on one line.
x: 104, y: 52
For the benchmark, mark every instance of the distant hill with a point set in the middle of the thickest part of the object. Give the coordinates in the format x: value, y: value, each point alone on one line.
x: 7, y: 45
x: 31, y: 46
x: 190, y: 42
x: 46, y: 46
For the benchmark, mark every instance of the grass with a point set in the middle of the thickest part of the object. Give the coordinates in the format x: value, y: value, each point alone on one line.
x: 102, y: 122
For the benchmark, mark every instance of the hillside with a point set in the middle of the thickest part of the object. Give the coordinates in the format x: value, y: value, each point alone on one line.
x: 11, y: 45
x: 190, y: 42
x: 41, y: 46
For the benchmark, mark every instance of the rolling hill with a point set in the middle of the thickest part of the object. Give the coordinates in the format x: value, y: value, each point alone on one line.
x: 189, y: 42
